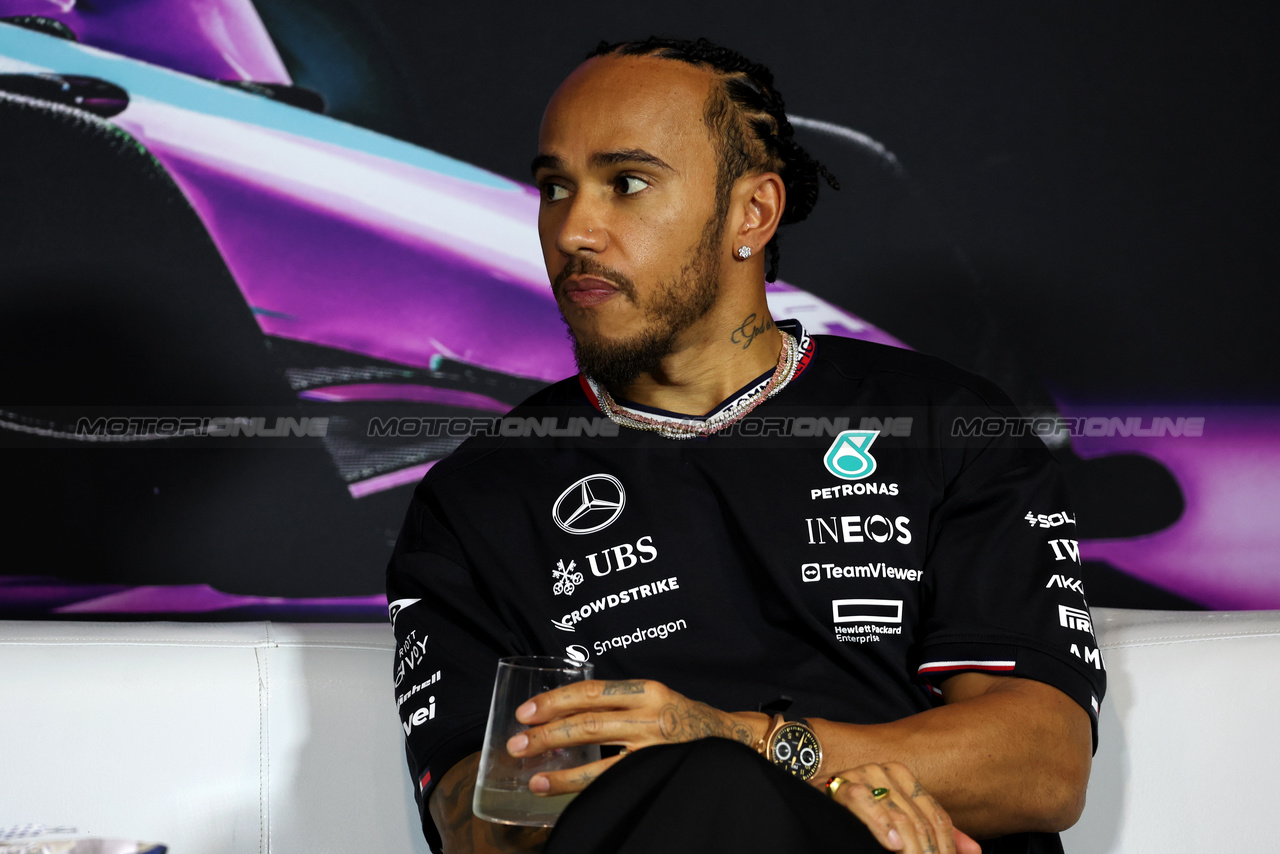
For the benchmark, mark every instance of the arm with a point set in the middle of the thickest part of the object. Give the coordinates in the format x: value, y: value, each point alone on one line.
x: 1003, y: 755
x: 462, y: 832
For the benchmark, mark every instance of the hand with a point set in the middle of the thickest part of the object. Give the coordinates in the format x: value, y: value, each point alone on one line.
x: 633, y: 713
x: 905, y: 819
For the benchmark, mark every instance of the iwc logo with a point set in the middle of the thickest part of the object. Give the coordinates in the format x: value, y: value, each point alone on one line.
x: 849, y: 456
x: 590, y: 505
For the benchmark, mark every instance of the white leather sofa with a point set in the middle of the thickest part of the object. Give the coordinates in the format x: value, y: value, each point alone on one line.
x: 263, y: 737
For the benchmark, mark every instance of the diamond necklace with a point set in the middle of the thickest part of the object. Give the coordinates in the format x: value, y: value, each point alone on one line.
x: 688, y: 428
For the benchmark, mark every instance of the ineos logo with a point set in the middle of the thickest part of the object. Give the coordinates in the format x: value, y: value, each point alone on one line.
x: 590, y: 505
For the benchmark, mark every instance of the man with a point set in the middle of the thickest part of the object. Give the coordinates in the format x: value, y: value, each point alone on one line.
x: 734, y: 539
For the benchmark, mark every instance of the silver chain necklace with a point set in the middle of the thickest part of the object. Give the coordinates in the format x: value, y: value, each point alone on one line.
x: 688, y: 428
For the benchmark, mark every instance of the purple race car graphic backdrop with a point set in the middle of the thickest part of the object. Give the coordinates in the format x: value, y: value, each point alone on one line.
x: 385, y: 278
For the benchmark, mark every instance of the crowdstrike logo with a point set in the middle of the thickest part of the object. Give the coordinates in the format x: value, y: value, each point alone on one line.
x: 849, y: 456
x: 590, y: 504
x: 613, y: 600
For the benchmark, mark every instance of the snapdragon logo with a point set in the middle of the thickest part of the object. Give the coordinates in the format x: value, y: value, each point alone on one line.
x: 849, y: 456
x: 661, y: 631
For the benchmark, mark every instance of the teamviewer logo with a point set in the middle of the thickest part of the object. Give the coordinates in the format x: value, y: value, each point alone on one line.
x: 810, y: 572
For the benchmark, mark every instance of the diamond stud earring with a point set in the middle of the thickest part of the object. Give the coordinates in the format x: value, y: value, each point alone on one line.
x: 744, y: 252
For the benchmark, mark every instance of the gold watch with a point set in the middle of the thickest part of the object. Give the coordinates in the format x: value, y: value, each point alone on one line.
x: 793, y: 746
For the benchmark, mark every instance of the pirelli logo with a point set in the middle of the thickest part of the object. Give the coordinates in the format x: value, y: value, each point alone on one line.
x: 866, y: 610
x: 1075, y: 618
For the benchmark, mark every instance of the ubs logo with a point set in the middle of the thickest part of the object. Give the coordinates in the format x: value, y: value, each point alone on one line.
x: 590, y: 504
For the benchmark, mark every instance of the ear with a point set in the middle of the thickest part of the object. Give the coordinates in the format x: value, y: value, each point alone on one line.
x: 758, y: 201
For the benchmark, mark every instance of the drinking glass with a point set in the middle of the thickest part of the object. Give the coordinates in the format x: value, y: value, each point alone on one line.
x: 502, y: 783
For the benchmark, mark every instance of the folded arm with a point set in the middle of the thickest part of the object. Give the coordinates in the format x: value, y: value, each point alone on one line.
x: 1003, y: 755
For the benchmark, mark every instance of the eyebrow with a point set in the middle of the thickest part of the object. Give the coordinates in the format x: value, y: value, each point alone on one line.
x: 604, y: 158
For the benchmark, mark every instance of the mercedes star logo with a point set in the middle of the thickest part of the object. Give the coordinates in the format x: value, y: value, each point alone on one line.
x: 590, y: 505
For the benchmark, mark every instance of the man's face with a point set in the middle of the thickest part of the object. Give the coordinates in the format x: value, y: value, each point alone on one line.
x: 628, y: 222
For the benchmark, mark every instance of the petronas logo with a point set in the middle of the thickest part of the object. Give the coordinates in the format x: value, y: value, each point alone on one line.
x: 849, y: 456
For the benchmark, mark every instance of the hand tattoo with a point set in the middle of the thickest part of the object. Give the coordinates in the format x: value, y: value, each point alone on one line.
x: 686, y: 720
x: 747, y: 332
x: 624, y: 686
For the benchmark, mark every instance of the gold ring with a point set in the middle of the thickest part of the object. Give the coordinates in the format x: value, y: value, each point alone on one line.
x: 879, y: 794
x: 834, y: 784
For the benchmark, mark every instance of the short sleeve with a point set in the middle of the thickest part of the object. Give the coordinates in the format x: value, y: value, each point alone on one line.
x: 1007, y: 596
x: 448, y: 641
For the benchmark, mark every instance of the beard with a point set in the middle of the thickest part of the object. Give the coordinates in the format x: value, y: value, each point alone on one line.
x: 677, y: 304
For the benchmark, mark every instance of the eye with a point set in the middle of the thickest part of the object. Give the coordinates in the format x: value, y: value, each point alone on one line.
x: 553, y: 192
x: 629, y: 185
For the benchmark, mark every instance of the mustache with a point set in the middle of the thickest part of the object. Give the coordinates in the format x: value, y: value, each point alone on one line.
x: 582, y: 266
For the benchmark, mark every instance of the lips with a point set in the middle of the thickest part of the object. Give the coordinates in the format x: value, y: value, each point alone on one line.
x: 588, y: 290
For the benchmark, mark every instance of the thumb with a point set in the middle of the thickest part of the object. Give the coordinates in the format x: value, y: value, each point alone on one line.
x: 965, y: 843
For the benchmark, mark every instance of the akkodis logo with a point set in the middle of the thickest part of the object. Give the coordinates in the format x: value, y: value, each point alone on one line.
x: 849, y: 456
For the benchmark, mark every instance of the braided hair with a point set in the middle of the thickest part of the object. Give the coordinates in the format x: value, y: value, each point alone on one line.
x: 748, y: 115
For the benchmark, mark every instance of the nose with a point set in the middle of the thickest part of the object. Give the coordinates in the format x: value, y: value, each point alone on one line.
x: 583, y: 228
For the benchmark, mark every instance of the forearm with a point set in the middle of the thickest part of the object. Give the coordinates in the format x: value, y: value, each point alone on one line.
x: 1011, y: 757
x: 462, y: 832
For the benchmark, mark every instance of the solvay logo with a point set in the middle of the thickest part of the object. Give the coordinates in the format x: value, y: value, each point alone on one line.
x: 849, y: 456
x: 590, y: 504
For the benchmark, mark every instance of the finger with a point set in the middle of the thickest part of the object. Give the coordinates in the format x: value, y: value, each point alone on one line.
x: 966, y: 844
x: 628, y: 727
x: 570, y: 779
x: 891, y: 817
x: 585, y: 696
x: 925, y: 805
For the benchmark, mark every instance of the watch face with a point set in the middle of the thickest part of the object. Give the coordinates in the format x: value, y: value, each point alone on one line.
x: 795, y: 749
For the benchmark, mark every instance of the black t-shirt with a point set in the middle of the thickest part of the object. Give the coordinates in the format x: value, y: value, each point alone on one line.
x: 877, y: 526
